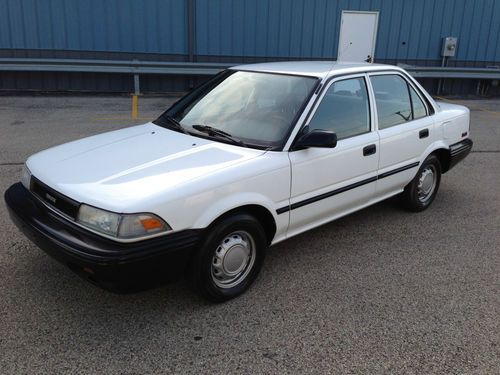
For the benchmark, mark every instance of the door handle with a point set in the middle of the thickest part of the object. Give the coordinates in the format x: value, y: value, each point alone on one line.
x: 369, y: 150
x: 423, y: 133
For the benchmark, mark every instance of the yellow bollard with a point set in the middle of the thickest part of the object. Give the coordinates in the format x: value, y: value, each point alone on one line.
x: 134, y: 107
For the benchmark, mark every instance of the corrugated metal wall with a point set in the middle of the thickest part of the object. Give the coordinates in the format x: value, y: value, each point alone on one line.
x: 410, y: 31
x: 148, y: 26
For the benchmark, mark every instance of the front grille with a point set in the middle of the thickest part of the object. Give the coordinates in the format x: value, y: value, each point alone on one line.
x: 56, y: 200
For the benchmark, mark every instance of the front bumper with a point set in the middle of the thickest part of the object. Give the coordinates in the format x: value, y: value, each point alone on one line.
x: 458, y: 151
x: 112, y: 265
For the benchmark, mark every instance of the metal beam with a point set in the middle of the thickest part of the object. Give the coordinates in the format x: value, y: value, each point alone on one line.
x: 110, y: 66
x: 136, y: 67
x: 451, y: 72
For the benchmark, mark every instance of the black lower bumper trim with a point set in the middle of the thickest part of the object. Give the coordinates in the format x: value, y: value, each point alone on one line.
x: 459, y: 151
x: 110, y: 264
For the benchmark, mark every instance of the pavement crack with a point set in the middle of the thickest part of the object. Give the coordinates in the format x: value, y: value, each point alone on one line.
x: 12, y: 163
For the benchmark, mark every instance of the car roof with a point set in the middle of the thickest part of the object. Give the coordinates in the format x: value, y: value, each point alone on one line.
x: 319, y: 69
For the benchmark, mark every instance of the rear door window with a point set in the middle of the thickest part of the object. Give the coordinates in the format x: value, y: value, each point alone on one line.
x: 393, y: 100
x: 397, y: 101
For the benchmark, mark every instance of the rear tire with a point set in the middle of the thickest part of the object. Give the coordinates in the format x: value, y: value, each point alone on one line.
x: 229, y: 258
x: 421, y: 191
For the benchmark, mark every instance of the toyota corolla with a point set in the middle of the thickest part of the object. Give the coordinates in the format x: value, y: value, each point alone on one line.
x: 256, y: 155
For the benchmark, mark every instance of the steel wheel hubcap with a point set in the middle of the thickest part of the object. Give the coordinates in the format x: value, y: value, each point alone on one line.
x: 233, y: 259
x: 426, y: 183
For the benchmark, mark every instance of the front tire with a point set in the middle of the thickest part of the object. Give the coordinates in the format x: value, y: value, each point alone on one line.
x: 229, y: 258
x: 421, y: 191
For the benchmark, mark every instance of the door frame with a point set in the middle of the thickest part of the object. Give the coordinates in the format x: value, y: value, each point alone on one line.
x: 428, y: 108
x: 374, y: 40
x: 361, y: 181
x: 342, y: 77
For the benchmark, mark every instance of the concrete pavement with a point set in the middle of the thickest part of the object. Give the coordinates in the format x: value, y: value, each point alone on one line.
x: 379, y: 291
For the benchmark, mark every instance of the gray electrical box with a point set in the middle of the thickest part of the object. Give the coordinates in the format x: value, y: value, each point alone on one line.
x: 449, y: 46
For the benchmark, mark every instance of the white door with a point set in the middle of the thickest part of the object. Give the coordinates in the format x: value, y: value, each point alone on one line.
x: 330, y: 182
x: 358, y: 33
x: 405, y: 127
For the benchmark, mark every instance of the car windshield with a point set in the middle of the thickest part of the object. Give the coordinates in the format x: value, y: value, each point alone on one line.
x: 256, y: 109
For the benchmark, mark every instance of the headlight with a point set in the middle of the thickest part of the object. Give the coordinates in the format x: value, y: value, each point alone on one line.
x: 125, y: 226
x: 26, y: 177
x: 102, y: 221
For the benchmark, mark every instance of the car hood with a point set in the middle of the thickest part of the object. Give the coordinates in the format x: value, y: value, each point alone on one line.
x: 115, y: 169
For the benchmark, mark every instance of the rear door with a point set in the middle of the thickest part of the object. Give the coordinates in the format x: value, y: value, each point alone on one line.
x: 405, y: 128
x: 329, y: 182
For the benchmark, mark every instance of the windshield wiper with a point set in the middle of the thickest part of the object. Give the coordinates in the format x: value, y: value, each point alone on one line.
x: 172, y: 124
x: 210, y: 130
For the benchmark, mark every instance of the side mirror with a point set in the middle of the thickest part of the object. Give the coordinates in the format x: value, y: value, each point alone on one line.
x: 317, y: 138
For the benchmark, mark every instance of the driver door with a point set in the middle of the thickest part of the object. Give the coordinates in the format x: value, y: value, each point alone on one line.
x: 330, y: 182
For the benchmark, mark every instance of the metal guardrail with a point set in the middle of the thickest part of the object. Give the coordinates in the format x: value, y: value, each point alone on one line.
x: 451, y: 72
x: 110, y: 66
x: 136, y: 68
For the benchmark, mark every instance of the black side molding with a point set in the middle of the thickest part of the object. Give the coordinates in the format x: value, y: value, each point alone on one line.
x: 329, y: 194
x: 397, y: 170
x: 458, y: 152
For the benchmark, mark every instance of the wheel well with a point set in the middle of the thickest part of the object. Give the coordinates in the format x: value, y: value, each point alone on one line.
x: 444, y: 158
x: 261, y: 213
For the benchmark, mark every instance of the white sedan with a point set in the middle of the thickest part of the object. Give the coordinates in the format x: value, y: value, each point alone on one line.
x: 256, y: 155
